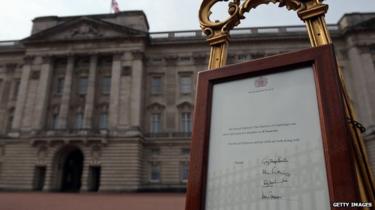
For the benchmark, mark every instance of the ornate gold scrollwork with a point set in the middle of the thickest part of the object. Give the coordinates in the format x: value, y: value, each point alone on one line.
x: 212, y: 29
x: 236, y: 12
x: 218, y: 31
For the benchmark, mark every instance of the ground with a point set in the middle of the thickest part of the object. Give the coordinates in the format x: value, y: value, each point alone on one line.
x: 92, y: 201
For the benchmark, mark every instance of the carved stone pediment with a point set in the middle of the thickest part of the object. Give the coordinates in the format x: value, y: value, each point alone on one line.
x: 84, y: 28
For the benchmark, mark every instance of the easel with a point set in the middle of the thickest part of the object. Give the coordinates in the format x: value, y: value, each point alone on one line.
x: 312, y: 12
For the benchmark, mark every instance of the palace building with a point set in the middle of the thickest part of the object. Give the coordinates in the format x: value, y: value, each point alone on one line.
x: 99, y: 103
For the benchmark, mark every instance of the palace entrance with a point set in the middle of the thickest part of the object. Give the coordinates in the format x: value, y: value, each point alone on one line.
x: 69, y: 169
x: 72, y: 171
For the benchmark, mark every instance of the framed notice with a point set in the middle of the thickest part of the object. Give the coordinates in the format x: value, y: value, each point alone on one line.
x: 271, y: 134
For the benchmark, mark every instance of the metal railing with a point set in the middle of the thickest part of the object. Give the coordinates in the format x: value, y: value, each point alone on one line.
x: 168, y: 135
x: 94, y: 133
x: 72, y: 132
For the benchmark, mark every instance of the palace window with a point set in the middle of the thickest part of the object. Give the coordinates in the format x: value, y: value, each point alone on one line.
x: 156, y: 85
x: 83, y: 84
x: 155, y: 123
x: 78, y: 121
x: 155, y: 172
x: 186, y: 122
x: 155, y: 151
x: 242, y: 57
x: 59, y: 86
x: 185, y: 85
x: 55, y: 121
x: 185, y: 151
x: 103, y: 120
x: 184, y: 175
x: 105, y: 85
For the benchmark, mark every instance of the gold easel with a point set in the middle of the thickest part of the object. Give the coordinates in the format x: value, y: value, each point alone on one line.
x: 312, y: 12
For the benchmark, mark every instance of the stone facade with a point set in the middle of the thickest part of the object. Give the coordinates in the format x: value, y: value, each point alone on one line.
x: 98, y: 103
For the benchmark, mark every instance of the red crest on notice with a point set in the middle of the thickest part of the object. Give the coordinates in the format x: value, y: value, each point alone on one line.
x: 261, y: 82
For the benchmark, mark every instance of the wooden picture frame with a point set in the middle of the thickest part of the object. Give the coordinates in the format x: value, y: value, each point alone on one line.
x: 334, y: 135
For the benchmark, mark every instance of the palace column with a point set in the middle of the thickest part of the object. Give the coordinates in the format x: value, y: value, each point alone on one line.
x: 90, y: 97
x: 5, y: 95
x: 363, y: 80
x: 40, y: 110
x: 115, y: 91
x: 136, y: 102
x: 65, y: 100
x: 22, y: 94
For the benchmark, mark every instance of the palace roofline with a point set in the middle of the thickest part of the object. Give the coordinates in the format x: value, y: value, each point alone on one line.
x: 346, y: 21
x: 99, y: 16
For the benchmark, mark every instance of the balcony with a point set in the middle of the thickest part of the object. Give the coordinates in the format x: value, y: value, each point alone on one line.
x: 67, y: 136
x: 168, y: 135
x: 72, y: 132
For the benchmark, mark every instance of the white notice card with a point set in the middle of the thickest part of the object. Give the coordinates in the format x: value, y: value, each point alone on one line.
x: 265, y: 146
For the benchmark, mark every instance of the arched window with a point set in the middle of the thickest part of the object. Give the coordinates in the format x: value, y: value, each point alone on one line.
x: 185, y: 123
x: 155, y: 114
x: 155, y: 123
x: 185, y: 117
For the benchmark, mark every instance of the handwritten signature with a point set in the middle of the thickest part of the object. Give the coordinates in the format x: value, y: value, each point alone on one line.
x: 274, y: 160
x: 275, y: 171
x: 272, y: 182
x: 271, y: 196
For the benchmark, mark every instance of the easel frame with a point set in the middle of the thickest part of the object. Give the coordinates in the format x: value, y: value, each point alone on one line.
x: 312, y: 13
x: 335, y: 137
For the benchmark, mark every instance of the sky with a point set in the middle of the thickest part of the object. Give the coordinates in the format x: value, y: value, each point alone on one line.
x: 163, y: 15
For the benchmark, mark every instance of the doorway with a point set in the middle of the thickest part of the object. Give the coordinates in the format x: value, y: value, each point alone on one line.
x: 94, y: 178
x: 39, y: 178
x: 72, y: 171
